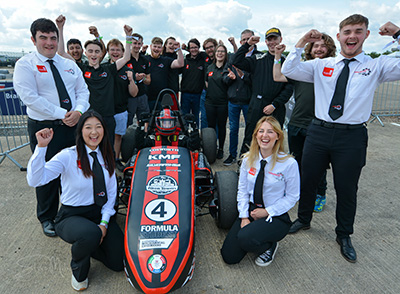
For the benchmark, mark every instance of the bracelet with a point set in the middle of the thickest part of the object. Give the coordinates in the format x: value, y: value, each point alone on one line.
x: 128, y: 42
x: 395, y: 36
x: 129, y: 37
x: 277, y: 61
x: 99, y: 38
x: 104, y: 224
x: 177, y: 49
x: 80, y: 112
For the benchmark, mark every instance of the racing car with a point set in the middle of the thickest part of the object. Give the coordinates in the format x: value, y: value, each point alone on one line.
x: 166, y: 185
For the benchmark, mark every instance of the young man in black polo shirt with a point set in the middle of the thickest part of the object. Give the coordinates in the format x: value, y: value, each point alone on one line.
x: 100, y: 77
x: 74, y: 48
x: 140, y: 66
x: 124, y: 88
x: 159, y: 67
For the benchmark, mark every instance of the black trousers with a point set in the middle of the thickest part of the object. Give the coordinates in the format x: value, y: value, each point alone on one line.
x: 217, y: 115
x: 79, y: 227
x: 110, y: 125
x: 346, y: 150
x: 47, y: 195
x: 257, y: 237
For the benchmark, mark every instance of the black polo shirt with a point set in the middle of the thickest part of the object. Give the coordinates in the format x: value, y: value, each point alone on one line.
x: 139, y: 66
x: 121, y: 89
x: 217, y: 91
x: 100, y: 82
x: 159, y: 70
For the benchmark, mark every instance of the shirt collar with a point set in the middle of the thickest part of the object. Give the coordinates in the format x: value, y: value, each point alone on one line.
x: 88, y: 150
x: 268, y: 159
x: 359, y: 57
x: 44, y: 59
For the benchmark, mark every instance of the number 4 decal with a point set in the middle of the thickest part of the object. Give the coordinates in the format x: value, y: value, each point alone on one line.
x: 160, y: 210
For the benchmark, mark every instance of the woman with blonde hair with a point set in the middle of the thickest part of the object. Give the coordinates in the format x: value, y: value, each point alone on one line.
x: 269, y: 186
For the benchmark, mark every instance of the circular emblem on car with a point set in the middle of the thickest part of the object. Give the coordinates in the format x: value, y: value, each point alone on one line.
x: 156, y: 264
x: 162, y: 185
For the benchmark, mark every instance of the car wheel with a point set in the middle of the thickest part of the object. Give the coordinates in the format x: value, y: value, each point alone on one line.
x: 209, y: 141
x: 128, y: 144
x: 226, y: 183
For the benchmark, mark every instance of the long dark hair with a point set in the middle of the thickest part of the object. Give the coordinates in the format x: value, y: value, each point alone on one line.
x: 104, y: 146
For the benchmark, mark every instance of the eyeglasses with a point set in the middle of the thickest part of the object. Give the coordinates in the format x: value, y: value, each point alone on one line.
x: 221, y: 51
x: 209, y: 47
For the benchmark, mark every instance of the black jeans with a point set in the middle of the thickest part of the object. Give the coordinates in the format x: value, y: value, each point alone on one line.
x: 218, y: 115
x: 346, y: 150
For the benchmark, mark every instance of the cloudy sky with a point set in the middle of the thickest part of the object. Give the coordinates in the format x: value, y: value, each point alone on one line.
x: 186, y: 19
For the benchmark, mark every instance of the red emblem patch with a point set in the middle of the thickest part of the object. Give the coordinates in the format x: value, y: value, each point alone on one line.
x: 41, y: 68
x: 129, y: 65
x: 79, y: 164
x: 88, y: 74
x: 252, y: 171
x: 187, y: 66
x: 328, y: 71
x: 210, y: 73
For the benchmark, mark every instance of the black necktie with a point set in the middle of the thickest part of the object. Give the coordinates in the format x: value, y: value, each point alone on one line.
x: 65, y: 101
x: 337, y: 103
x: 258, y: 187
x: 99, y: 185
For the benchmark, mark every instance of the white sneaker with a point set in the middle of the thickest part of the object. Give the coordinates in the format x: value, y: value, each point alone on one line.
x: 267, y: 257
x: 79, y: 286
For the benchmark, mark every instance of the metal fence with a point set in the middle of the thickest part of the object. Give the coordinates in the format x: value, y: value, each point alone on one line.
x: 386, y: 101
x: 13, y: 124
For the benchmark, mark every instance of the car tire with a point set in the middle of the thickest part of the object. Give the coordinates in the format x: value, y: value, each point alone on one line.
x: 209, y: 141
x: 226, y: 183
x: 128, y: 144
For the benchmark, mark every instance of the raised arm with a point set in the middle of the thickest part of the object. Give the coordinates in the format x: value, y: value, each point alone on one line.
x: 133, y: 89
x: 127, y: 54
x: 60, y: 21
x: 93, y: 31
x: 240, y: 60
x: 276, y: 71
x: 232, y: 41
x: 179, y: 61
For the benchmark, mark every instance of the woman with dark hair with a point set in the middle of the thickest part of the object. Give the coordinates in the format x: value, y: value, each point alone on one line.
x: 89, y: 190
x: 217, y: 96
x: 168, y: 50
x: 269, y: 185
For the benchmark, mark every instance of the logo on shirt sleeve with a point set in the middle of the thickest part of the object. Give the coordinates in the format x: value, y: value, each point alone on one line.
x: 41, y: 68
x: 210, y: 73
x: 129, y: 65
x: 327, y: 72
x: 88, y: 74
x: 187, y: 66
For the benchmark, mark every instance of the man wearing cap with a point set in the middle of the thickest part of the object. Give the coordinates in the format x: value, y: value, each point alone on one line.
x: 268, y: 97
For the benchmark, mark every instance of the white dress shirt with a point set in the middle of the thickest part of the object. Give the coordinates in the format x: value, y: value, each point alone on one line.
x: 281, y: 189
x: 365, y: 76
x: 77, y: 190
x: 34, y: 83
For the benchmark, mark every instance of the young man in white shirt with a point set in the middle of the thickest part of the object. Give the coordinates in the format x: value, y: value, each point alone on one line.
x: 338, y: 134
x: 36, y: 86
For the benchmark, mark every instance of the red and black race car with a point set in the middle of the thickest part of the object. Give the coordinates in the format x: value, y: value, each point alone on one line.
x: 165, y: 186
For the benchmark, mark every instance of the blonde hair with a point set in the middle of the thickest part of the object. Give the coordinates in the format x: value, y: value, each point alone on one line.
x: 253, y: 154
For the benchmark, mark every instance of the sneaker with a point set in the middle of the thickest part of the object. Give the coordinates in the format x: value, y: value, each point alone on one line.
x: 229, y: 160
x: 267, y: 257
x: 119, y: 165
x: 319, y: 203
x: 220, y: 154
x: 79, y: 286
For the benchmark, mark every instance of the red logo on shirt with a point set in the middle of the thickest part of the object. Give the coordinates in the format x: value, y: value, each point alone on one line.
x: 187, y: 66
x: 79, y: 164
x: 210, y: 73
x: 207, y: 59
x: 41, y: 68
x: 129, y: 65
x: 328, y: 71
x: 252, y: 171
x: 88, y: 74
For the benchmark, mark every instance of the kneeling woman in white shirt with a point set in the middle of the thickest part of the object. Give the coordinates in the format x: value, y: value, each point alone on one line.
x: 84, y: 219
x: 265, y: 199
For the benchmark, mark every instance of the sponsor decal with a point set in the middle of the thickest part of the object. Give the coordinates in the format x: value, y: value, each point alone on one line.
x: 66, y: 100
x: 103, y: 75
x: 164, y: 164
x: 71, y: 71
x: 156, y: 263
x: 144, y: 66
x: 78, y: 162
x: 162, y: 185
x: 207, y: 59
x: 101, y: 194
x: 160, y: 210
x: 129, y: 65
x: 150, y: 244
x: 337, y: 107
x: 161, y: 65
x: 210, y: 73
x: 158, y: 231
x: 187, y: 66
x: 278, y: 176
x: 124, y: 77
x: 365, y: 72
x: 252, y: 171
x: 200, y: 67
x: 165, y: 149
x: 88, y: 74
x: 327, y: 72
x: 163, y: 157
x: 41, y: 68
x: 261, y: 56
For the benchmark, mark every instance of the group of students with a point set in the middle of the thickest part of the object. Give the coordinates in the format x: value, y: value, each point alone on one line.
x: 269, y: 182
